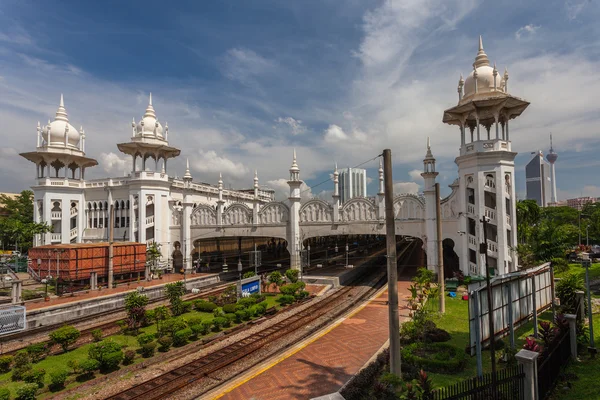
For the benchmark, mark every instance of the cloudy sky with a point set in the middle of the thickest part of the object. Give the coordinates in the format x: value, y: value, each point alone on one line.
x: 243, y: 83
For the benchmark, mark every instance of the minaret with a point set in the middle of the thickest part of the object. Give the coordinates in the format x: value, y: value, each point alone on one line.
x: 294, y: 244
x: 220, y: 202
x: 336, y: 194
x: 187, y: 214
x: 429, y: 174
x: 381, y: 194
x: 552, y: 157
x: 256, y: 202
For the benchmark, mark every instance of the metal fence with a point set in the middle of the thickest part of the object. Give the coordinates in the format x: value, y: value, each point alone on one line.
x: 12, y: 319
x: 515, y: 296
x: 509, y: 386
x: 549, y: 368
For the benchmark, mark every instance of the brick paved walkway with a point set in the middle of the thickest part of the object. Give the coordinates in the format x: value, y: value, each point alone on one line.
x: 323, y: 366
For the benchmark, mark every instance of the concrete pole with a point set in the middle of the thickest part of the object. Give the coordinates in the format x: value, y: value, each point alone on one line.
x: 111, y: 237
x: 572, y: 318
x: 392, y: 266
x: 440, y: 253
x: 528, y: 359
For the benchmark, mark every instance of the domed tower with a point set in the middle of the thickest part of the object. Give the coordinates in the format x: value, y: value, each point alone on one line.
x: 60, y: 170
x: 552, y: 157
x: 486, y: 166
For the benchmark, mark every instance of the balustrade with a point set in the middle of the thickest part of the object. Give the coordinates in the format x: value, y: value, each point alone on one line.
x: 56, y: 214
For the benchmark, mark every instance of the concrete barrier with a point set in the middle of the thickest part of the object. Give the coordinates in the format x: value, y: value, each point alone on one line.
x: 64, y: 313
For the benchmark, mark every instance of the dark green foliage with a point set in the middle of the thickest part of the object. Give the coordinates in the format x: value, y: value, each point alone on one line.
x: 165, y: 343
x: 107, y: 353
x: 37, y: 352
x: 286, y: 299
x: 88, y: 367
x: 174, y: 292
x: 5, y: 362
x: 219, y: 323
x: 147, y: 349
x: 434, y: 357
x: 302, y: 294
x: 358, y: 388
x: 437, y: 335
x: 559, y: 264
x: 57, y: 379
x: 288, y: 290
x: 230, y: 317
x: 22, y: 365
x: 275, y: 278
x: 27, y: 392
x: 204, y: 306
x: 17, y: 227
x: 135, y: 304
x: 240, y: 315
x: 246, y: 302
x: 292, y: 275
x: 196, y: 331
x: 249, y: 274
x: 35, y: 376
x: 229, y: 308
x: 4, y: 393
x: 171, y: 325
x: 145, y: 338
x: 565, y: 291
x: 181, y: 337
x: 195, y: 320
x: 128, y: 357
x: 186, y: 306
x: 74, y: 365
x: 97, y: 335
x: 206, y: 326
x: 65, y: 336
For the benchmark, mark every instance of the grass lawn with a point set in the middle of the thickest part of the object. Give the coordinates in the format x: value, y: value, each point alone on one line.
x: 58, y: 362
x: 577, y: 269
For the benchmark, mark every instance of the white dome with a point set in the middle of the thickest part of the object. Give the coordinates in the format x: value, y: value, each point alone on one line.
x: 485, y: 80
x: 149, y: 125
x: 56, y: 129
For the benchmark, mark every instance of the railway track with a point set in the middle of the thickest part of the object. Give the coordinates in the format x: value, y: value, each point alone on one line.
x: 168, y: 383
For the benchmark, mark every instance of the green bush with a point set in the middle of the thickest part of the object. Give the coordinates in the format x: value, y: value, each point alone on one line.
x: 147, y: 349
x: 145, y: 338
x: 258, y: 297
x: 219, y: 323
x: 217, y: 312
x: 249, y: 274
x: 21, y: 365
x: 4, y: 393
x: 65, y: 336
x: 288, y: 290
x: 301, y: 295
x: 206, y: 326
x: 292, y: 275
x: 27, y: 392
x: 128, y: 357
x: 88, y: 366
x: 172, y: 325
x: 230, y: 317
x: 565, y: 291
x: 74, y: 365
x: 434, y: 357
x: 36, y: 352
x: 181, y: 337
x: 58, y: 379
x: 5, y: 362
x: 107, y: 353
x: 229, y: 308
x: 204, y: 306
x: 559, y: 265
x: 246, y: 302
x: 165, y: 343
x: 186, y: 306
x: 97, y: 335
x: 195, y: 320
x: 286, y: 299
x: 21, y: 358
x: 196, y: 331
x: 35, y: 376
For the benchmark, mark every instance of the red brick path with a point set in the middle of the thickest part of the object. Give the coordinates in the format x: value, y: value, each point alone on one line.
x: 326, y: 364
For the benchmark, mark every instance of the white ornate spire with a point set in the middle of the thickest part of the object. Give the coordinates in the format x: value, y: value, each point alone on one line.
x: 187, y: 175
x: 381, y: 188
x: 220, y: 181
x: 150, y: 109
x: 61, y: 113
x: 481, y: 59
x: 505, y: 80
x: 294, y: 169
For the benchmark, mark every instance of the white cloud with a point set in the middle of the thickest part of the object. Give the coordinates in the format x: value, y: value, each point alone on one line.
x: 113, y: 164
x: 406, y: 187
x: 209, y: 161
x: 295, y: 125
x: 244, y: 65
x: 282, y: 189
x: 334, y: 134
x: 526, y: 31
x: 415, y: 174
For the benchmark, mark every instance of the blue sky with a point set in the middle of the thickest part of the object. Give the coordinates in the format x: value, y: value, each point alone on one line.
x: 243, y: 83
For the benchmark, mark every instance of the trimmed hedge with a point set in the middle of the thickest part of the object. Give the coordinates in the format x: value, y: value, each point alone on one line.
x: 434, y: 357
x: 205, y: 306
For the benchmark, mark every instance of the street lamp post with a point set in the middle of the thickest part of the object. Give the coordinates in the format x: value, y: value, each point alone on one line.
x: 346, y: 254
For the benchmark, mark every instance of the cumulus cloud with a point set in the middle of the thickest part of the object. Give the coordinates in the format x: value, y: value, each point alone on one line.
x: 210, y: 162
x: 406, y: 187
x: 113, y: 164
x: 295, y: 125
x: 334, y: 134
x: 526, y: 31
x: 415, y: 174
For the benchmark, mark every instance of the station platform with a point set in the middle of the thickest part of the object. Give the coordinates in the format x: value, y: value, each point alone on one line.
x: 321, y: 364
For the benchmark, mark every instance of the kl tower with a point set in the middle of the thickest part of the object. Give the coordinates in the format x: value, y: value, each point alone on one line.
x: 552, y: 157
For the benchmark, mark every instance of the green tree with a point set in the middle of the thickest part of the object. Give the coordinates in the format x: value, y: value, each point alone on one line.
x: 249, y: 274
x: 135, y: 305
x: 174, y: 293
x: 153, y: 254
x: 528, y: 215
x: 276, y: 278
x: 65, y: 336
x: 161, y: 313
x: 107, y: 353
x: 18, y: 228
x: 292, y: 275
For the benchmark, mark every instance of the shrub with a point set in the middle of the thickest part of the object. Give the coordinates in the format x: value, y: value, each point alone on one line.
x: 204, y: 306
x: 4, y: 393
x: 107, y: 353
x: 230, y: 317
x: 27, y: 392
x: 219, y: 322
x: 65, y: 336
x: 240, y: 315
x: 229, y: 308
x: 135, y: 304
x: 128, y: 357
x: 275, y: 278
x: 258, y: 297
x: 174, y: 292
x: 565, y: 290
x: 194, y: 321
x: 21, y: 358
x: 559, y: 264
x: 147, y: 349
x: 165, y: 343
x: 286, y: 299
x: 171, y: 326
x: 181, y: 337
x: 5, y: 362
x: 218, y: 312
x: 145, y: 338
x: 97, y: 335
x: 196, y: 331
x: 74, y: 365
x: 434, y: 357
x: 186, y: 306
x: 288, y: 290
x: 246, y: 302
x: 302, y: 295
x: 88, y: 367
x: 36, y: 352
x: 22, y: 365
x: 249, y: 274
x: 35, y: 376
x: 531, y: 345
x: 292, y: 275
x: 437, y: 335
x: 206, y: 326
x: 57, y: 379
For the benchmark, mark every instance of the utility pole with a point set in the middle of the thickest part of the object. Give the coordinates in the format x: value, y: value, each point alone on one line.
x: 440, y: 250
x: 111, y: 238
x: 484, y: 248
x: 392, y: 266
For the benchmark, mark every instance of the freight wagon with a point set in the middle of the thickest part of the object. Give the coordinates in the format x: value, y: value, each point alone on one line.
x: 75, y: 262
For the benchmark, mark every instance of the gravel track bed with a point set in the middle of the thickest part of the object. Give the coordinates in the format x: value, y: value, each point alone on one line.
x: 162, y: 362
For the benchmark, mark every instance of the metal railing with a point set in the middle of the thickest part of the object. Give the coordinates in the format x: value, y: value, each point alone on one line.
x: 553, y: 361
x: 510, y: 384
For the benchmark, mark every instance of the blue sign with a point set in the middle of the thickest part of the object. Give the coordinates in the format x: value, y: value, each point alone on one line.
x: 250, y: 288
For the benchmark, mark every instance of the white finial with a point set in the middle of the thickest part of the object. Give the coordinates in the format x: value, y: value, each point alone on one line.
x: 480, y: 43
x: 187, y: 175
x: 150, y: 100
x: 294, y: 154
x: 481, y: 59
x: 61, y: 113
x: 62, y: 101
x: 380, y: 164
x: 335, y: 171
x: 38, y: 126
x: 133, y: 122
x: 428, y: 143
